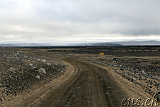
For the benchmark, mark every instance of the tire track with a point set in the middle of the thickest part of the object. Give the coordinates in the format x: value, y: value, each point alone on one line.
x: 91, y: 87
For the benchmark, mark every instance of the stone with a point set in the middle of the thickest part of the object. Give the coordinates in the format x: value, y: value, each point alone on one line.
x: 30, y: 64
x: 42, y: 71
x: 49, y: 64
x: 44, y: 60
x: 38, y: 77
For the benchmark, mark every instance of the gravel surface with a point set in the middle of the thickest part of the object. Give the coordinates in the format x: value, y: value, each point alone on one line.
x: 19, y: 71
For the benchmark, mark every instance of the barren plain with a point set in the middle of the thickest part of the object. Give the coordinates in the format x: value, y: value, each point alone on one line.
x: 80, y: 77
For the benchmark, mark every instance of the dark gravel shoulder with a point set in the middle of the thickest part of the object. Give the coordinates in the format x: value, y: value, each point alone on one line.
x: 20, y: 71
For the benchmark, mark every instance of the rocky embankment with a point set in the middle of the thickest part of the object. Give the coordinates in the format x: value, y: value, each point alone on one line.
x: 143, y: 72
x: 19, y: 71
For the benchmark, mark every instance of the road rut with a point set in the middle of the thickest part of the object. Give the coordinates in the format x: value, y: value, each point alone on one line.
x: 92, y: 86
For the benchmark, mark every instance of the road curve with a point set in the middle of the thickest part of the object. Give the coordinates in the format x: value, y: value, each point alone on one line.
x: 92, y: 86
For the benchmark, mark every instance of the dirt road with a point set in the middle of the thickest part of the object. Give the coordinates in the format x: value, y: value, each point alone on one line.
x: 91, y: 86
x: 83, y: 85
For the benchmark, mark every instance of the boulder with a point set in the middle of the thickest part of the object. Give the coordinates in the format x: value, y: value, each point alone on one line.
x: 42, y: 71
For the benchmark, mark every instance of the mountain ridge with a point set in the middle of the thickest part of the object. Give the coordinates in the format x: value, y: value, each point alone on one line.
x: 122, y: 43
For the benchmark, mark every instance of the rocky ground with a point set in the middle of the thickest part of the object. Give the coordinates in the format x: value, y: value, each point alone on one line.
x: 20, y: 70
x: 88, y: 78
x: 140, y: 71
x: 139, y: 65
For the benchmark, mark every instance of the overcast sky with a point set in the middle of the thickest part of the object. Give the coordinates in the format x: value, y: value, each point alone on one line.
x: 70, y: 21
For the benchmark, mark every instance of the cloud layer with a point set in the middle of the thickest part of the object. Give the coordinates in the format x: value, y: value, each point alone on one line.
x: 79, y: 20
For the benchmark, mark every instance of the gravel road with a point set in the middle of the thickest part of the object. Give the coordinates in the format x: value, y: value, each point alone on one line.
x: 91, y: 86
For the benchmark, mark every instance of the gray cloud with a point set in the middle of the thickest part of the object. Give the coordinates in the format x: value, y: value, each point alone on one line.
x: 78, y: 20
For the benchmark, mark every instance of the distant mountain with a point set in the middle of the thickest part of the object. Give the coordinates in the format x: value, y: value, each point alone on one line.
x: 124, y: 43
x: 22, y: 44
x: 139, y: 43
x: 101, y: 44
